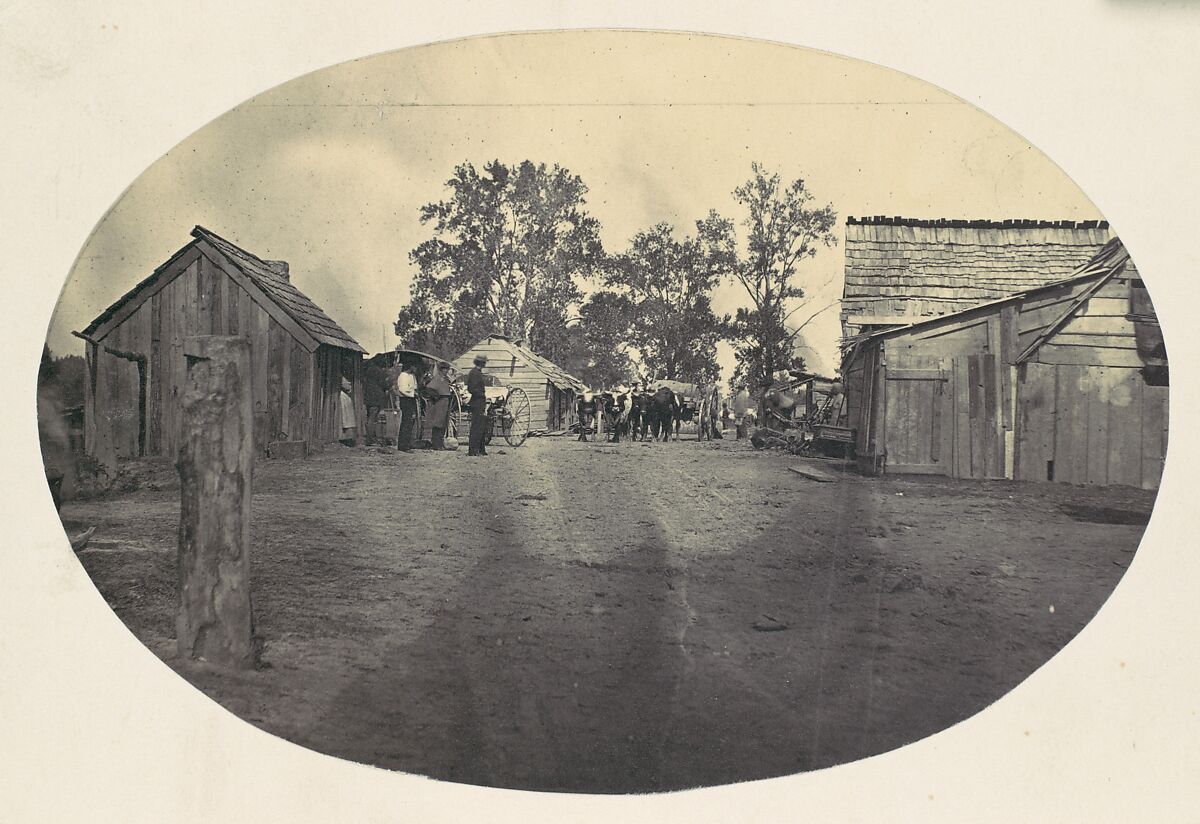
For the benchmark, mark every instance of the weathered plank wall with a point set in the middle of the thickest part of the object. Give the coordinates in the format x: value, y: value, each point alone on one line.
x: 561, y: 412
x: 510, y: 370
x: 294, y: 397
x: 954, y: 400
x: 1088, y: 415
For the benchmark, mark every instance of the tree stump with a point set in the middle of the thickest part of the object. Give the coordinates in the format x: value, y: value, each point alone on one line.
x: 215, y: 622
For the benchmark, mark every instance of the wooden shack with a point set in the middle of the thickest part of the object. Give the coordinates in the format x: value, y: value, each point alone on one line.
x: 1065, y: 382
x: 902, y: 270
x: 552, y: 391
x: 135, y: 361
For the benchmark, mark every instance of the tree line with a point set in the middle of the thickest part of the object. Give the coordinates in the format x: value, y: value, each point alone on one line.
x: 513, y: 247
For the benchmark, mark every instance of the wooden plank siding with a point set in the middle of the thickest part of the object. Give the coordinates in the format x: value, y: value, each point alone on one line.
x: 1154, y: 434
x: 551, y: 407
x: 289, y: 394
x: 155, y: 401
x: 1078, y: 410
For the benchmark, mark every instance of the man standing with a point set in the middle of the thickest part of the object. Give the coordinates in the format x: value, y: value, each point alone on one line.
x: 375, y: 398
x: 715, y: 423
x: 741, y: 411
x: 406, y: 395
x: 477, y: 407
x: 635, y: 411
x: 438, y: 389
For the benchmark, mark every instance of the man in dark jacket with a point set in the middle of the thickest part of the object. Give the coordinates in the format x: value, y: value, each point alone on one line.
x: 438, y: 390
x: 477, y: 406
x: 375, y: 398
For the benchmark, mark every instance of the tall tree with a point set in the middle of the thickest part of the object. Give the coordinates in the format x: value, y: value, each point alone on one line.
x: 783, y: 230
x: 507, y: 248
x: 668, y: 283
x: 599, y: 352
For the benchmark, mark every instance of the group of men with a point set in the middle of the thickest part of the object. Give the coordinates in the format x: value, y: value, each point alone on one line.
x: 437, y: 388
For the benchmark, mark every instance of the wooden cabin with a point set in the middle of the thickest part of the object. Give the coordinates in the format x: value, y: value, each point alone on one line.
x: 135, y: 362
x: 552, y: 392
x: 903, y: 270
x: 1066, y: 382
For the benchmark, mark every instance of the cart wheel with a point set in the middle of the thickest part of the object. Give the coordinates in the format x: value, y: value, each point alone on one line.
x: 516, y: 417
x: 419, y: 434
x: 453, y: 416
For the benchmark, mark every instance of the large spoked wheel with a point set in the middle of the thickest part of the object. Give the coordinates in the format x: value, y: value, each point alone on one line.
x: 454, y: 415
x: 420, y: 432
x: 516, y: 417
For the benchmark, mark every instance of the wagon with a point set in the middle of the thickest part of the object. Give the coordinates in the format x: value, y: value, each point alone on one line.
x: 508, y: 411
x: 698, y: 403
x: 809, y: 412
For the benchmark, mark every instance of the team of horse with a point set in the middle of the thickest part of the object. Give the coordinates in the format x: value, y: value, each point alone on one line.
x: 638, y: 414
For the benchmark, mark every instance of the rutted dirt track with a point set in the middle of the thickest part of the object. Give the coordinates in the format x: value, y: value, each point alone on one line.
x: 629, y: 618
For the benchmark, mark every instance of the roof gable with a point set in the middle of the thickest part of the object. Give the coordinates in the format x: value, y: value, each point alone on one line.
x: 553, y: 372
x: 288, y: 305
x: 124, y: 306
x: 907, y: 268
x: 271, y: 277
x: 1087, y: 278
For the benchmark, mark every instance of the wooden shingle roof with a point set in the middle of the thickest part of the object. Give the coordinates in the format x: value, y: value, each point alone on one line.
x: 271, y: 277
x: 553, y: 372
x: 898, y: 270
x: 1110, y: 260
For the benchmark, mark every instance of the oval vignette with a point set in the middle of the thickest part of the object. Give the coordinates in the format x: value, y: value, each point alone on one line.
x: 947, y: 476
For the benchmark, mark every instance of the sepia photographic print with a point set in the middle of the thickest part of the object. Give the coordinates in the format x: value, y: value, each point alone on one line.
x: 510, y: 413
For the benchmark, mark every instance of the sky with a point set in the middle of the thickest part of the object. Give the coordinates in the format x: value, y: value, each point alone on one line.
x: 329, y: 171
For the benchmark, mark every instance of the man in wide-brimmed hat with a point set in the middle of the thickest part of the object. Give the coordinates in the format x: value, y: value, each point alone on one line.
x: 477, y: 406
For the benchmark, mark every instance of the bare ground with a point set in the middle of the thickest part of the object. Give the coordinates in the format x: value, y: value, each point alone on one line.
x: 631, y: 618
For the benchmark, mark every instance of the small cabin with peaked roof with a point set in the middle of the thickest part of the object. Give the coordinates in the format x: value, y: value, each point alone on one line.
x: 136, y: 367
x: 901, y: 270
x: 552, y: 391
x: 1065, y: 382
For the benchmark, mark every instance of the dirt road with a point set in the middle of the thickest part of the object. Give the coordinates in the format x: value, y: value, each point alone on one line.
x: 630, y: 618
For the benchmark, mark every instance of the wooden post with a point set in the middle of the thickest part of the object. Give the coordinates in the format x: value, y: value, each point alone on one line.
x: 101, y: 446
x: 215, y: 622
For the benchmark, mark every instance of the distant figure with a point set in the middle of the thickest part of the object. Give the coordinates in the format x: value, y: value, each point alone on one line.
x: 707, y: 412
x: 741, y: 411
x: 438, y: 390
x: 406, y: 397
x: 639, y: 412
x: 477, y: 387
x: 375, y: 397
x: 349, y: 420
